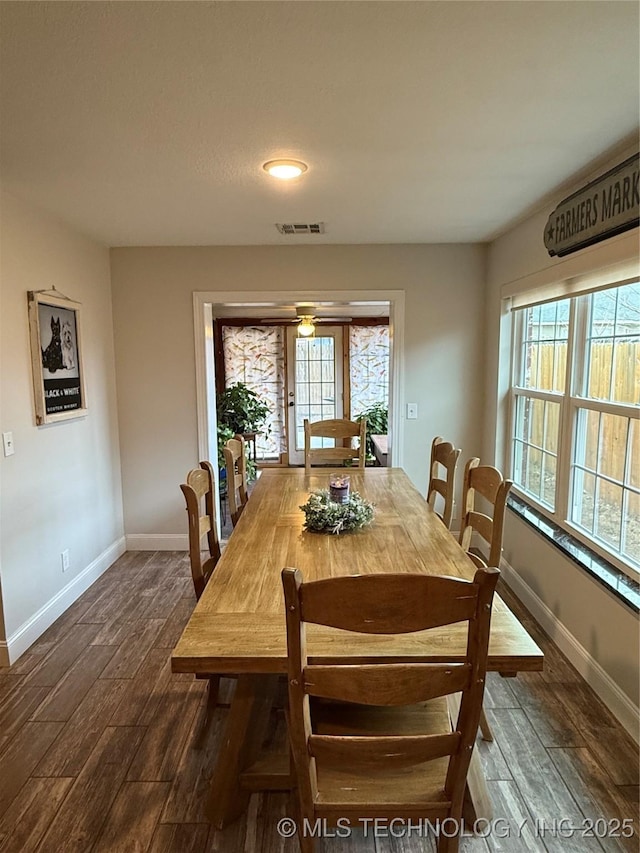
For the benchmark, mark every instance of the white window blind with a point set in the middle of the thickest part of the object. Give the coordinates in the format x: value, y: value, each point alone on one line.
x: 369, y: 367
x: 254, y: 355
x: 543, y: 287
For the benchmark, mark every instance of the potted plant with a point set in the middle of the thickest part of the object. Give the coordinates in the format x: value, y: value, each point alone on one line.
x: 377, y: 416
x: 239, y: 410
x: 224, y: 434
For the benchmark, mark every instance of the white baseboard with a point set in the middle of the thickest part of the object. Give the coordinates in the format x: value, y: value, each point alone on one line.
x: 616, y: 700
x: 157, y: 542
x: 34, y: 627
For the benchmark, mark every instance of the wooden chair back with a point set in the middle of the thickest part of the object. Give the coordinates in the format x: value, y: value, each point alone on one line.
x: 343, y: 431
x: 488, y: 482
x: 235, y: 461
x: 386, y: 604
x: 444, y: 454
x: 201, y: 485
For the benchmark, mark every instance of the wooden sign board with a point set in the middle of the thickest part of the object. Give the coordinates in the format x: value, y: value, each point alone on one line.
x: 607, y: 206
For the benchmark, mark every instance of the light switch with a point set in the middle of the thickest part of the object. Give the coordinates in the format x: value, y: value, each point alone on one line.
x: 7, y: 442
x: 412, y: 411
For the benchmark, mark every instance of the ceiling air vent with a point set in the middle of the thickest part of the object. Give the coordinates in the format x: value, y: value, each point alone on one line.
x: 300, y: 228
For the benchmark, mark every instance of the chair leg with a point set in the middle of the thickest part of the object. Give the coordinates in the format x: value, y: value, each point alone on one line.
x: 448, y: 844
x: 305, y: 840
x: 212, y: 703
x: 485, y: 728
x: 307, y: 843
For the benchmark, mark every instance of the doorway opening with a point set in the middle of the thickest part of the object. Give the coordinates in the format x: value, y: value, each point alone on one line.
x: 354, y: 310
x: 340, y: 370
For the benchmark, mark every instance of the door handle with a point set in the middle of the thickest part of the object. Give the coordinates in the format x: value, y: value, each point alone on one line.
x: 291, y: 403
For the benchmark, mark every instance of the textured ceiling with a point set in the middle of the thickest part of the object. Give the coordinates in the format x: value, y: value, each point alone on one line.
x: 147, y: 123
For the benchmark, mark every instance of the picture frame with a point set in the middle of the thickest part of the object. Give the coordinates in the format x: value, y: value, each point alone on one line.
x: 56, y: 357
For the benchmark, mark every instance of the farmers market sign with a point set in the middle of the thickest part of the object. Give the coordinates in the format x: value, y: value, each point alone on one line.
x: 607, y: 206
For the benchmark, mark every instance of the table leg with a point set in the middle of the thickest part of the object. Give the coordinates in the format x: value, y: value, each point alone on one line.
x: 243, y: 737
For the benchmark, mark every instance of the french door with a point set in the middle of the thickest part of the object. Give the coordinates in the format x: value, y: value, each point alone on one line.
x: 315, y: 384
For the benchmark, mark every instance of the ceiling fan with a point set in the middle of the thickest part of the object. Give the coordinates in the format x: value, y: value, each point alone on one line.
x: 307, y: 319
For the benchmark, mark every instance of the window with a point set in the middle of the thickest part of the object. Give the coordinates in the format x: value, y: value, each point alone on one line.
x: 575, y: 436
x: 315, y: 388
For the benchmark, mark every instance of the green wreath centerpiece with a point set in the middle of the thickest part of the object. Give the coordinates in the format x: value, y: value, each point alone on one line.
x: 322, y: 515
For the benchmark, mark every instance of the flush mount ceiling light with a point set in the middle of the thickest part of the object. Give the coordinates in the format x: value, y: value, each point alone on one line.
x: 285, y: 169
x: 306, y: 327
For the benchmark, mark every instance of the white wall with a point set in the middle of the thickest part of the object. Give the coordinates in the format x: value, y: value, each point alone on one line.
x: 153, y: 317
x: 62, y: 487
x: 588, y: 622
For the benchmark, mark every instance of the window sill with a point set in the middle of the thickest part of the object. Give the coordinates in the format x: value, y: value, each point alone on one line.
x: 621, y: 585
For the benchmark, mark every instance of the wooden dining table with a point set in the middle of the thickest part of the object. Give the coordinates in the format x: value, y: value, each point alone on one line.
x: 238, y: 625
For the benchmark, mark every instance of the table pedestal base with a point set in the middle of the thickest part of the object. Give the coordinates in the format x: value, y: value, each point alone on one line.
x: 243, y: 738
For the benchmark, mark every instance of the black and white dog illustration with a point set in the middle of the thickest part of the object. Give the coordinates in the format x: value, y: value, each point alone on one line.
x: 68, y: 354
x: 52, y: 355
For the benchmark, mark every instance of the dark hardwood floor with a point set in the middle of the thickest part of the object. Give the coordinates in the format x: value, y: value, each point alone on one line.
x: 97, y: 742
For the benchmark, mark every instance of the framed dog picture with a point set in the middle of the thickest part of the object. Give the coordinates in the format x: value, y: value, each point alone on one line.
x: 56, y: 357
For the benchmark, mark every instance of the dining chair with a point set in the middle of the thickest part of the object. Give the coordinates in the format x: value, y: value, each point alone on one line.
x: 339, y: 429
x: 391, y: 750
x: 487, y: 482
x: 201, y: 485
x: 236, y: 464
x: 445, y: 455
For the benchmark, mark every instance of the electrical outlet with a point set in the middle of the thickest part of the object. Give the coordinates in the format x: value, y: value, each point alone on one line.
x: 7, y: 441
x: 412, y: 411
x: 65, y: 559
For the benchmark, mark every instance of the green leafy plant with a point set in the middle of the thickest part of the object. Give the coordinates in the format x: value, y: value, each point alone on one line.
x: 241, y: 409
x: 224, y: 434
x: 252, y: 468
x: 322, y: 515
x: 377, y: 417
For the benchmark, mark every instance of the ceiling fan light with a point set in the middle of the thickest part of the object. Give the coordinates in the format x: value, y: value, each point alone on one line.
x: 285, y: 169
x: 306, y: 327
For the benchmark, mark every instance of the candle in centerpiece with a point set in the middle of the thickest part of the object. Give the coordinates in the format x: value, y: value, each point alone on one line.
x: 339, y: 488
